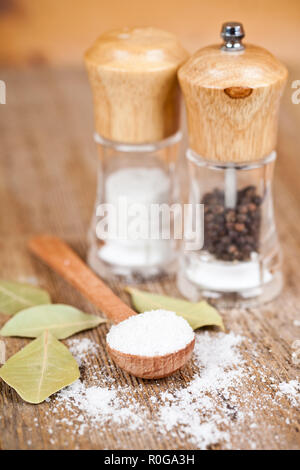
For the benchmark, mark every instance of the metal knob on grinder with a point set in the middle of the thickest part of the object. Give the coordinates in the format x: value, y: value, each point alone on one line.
x: 232, y: 33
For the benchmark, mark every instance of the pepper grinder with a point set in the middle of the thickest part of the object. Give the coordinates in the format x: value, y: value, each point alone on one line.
x: 232, y: 93
x: 133, y: 76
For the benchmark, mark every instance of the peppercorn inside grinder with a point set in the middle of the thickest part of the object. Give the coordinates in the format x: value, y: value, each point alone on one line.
x: 133, y: 76
x: 232, y: 94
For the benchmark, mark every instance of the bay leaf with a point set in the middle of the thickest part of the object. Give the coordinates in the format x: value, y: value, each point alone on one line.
x: 196, y: 314
x: 61, y: 320
x: 15, y: 296
x: 40, y: 369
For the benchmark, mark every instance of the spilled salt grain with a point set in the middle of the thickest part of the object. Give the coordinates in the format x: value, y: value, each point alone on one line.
x: 80, y: 348
x: 153, y: 333
x: 215, y: 404
x: 291, y: 390
x: 190, y: 408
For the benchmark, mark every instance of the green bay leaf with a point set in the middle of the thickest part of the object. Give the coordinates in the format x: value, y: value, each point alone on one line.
x: 40, y: 369
x: 196, y: 314
x: 61, y: 320
x: 15, y: 296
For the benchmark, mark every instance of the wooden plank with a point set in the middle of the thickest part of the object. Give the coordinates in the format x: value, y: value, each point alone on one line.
x: 47, y: 184
x: 50, y: 32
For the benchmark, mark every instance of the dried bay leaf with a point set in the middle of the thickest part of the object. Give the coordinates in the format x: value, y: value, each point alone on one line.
x: 61, y: 320
x: 15, y: 296
x: 196, y: 314
x: 40, y: 369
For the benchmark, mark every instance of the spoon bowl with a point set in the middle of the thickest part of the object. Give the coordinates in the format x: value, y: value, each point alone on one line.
x: 152, y: 367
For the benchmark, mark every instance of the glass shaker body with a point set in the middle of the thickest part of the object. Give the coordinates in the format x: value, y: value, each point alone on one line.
x: 239, y: 262
x: 126, y: 239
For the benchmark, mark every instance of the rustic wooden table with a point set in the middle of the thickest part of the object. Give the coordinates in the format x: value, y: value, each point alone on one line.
x: 47, y: 184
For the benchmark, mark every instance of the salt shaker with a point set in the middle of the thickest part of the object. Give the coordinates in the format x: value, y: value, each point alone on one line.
x: 232, y: 93
x: 133, y: 75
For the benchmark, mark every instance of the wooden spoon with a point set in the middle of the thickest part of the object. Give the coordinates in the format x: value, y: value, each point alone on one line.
x: 60, y: 257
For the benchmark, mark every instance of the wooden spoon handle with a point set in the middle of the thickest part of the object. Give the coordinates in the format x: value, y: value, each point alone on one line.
x: 60, y: 257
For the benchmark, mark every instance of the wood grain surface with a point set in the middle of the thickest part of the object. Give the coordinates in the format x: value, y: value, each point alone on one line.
x: 58, y: 32
x: 136, y: 95
x: 48, y: 183
x: 232, y: 102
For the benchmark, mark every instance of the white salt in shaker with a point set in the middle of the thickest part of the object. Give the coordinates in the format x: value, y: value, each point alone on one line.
x: 133, y: 75
x: 232, y: 93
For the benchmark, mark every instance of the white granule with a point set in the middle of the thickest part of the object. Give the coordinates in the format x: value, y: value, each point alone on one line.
x: 191, y: 409
x: 131, y: 191
x: 291, y: 390
x: 101, y: 405
x: 211, y: 405
x: 296, y: 322
x: 80, y: 348
x: 141, y: 184
x: 220, y: 370
x: 153, y: 333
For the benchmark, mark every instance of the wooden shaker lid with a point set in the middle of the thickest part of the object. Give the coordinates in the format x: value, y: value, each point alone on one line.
x: 133, y: 75
x: 232, y: 99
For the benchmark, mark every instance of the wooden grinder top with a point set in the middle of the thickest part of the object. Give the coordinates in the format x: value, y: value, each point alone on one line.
x: 232, y: 98
x: 133, y: 75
